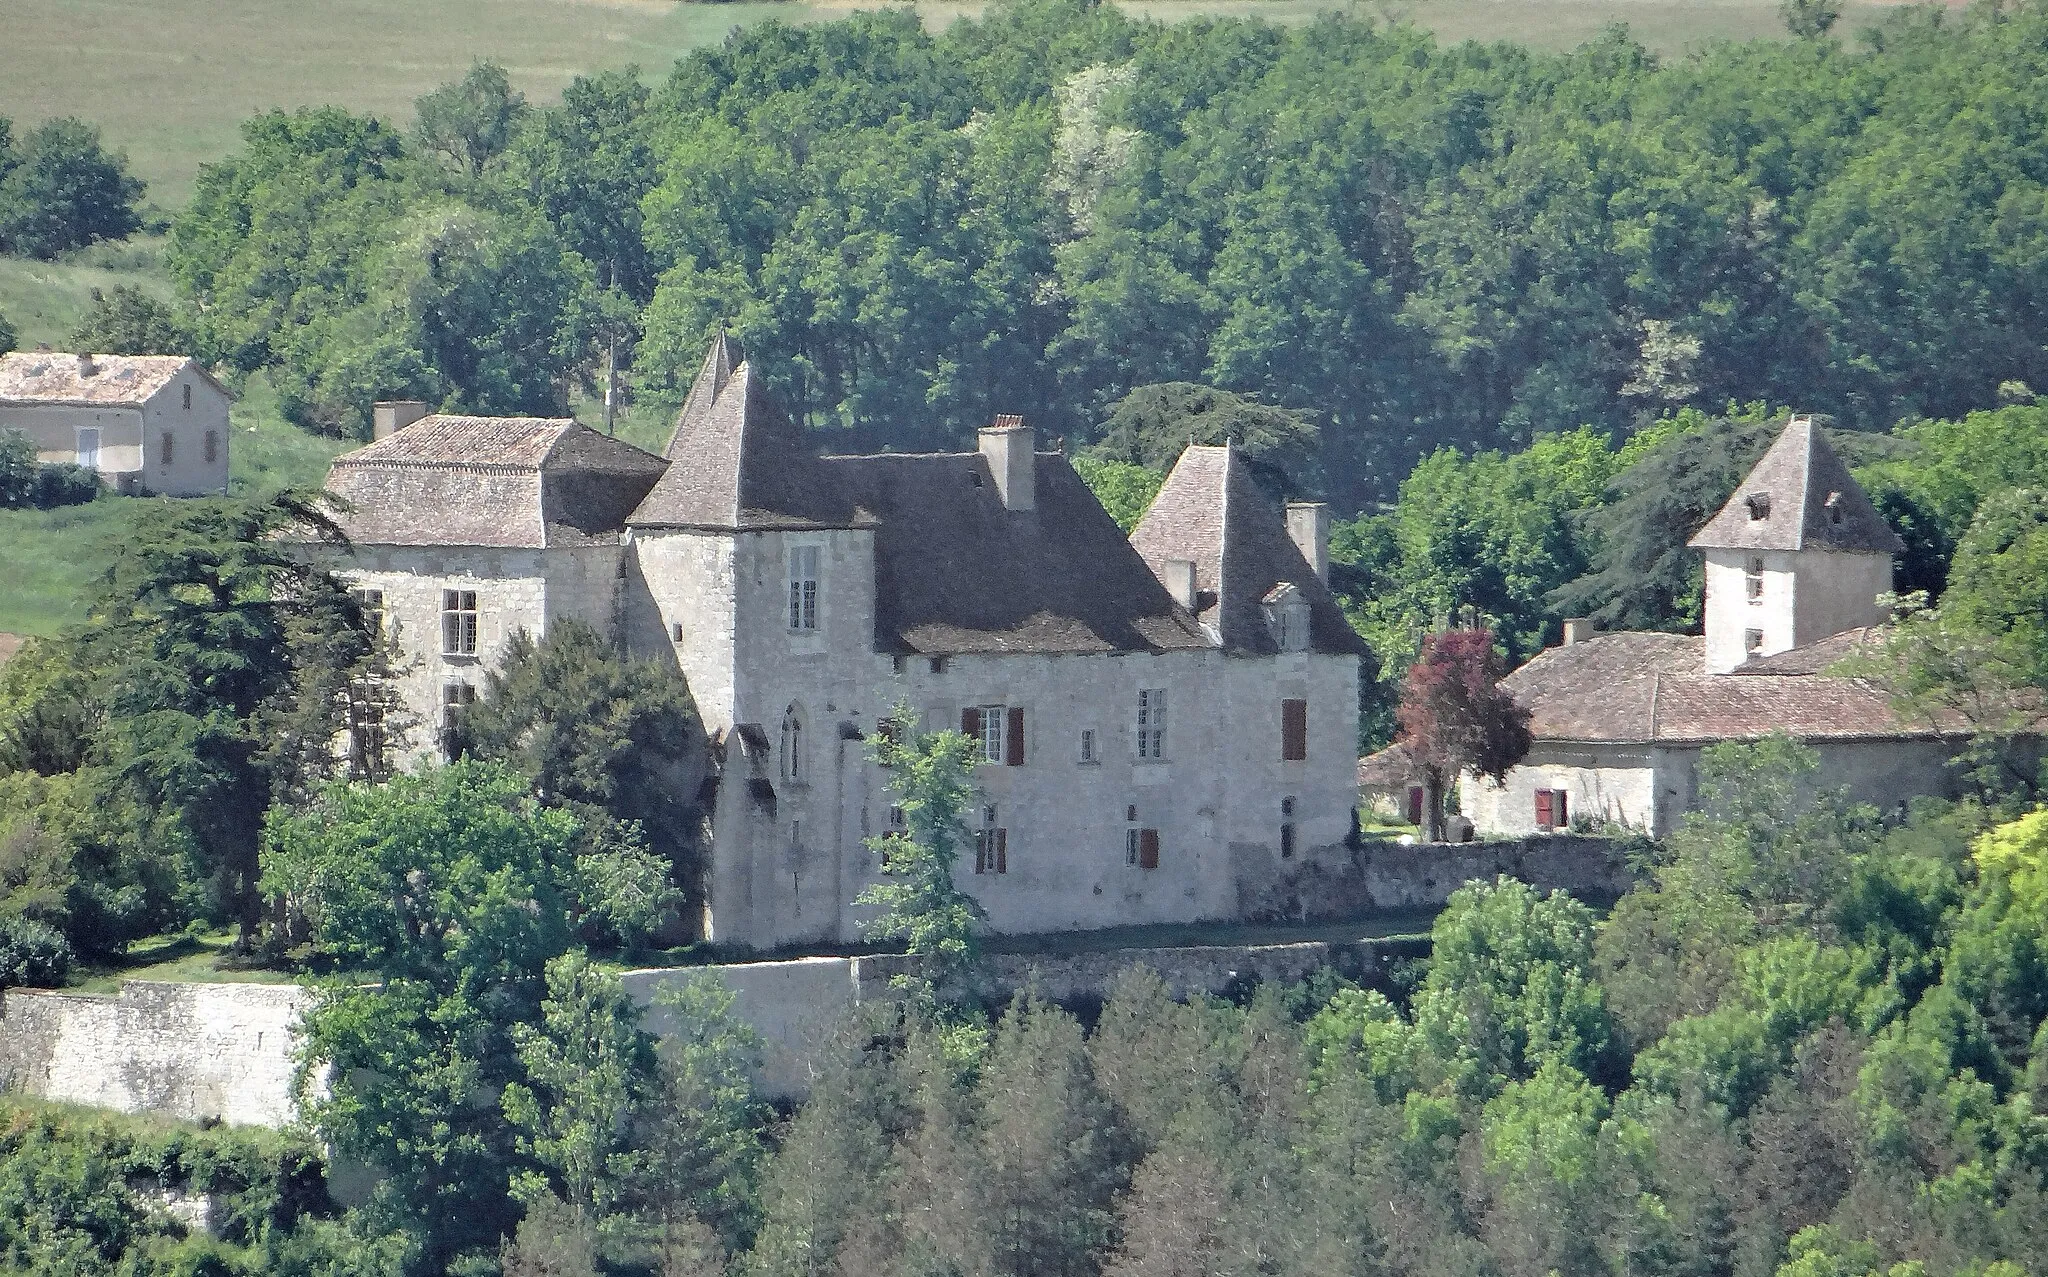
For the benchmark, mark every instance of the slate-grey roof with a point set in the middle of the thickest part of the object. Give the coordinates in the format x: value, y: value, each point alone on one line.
x: 956, y: 572
x: 1813, y: 503
x: 58, y: 377
x: 1211, y: 512
x: 737, y: 461
x: 1650, y: 689
x: 500, y: 482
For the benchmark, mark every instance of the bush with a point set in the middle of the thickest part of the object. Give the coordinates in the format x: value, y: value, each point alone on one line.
x: 25, y: 482
x: 32, y: 953
x: 61, y: 483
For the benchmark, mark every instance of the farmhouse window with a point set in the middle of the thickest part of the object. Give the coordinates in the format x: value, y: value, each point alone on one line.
x: 1752, y: 644
x: 166, y: 453
x: 458, y: 622
x: 1088, y: 745
x: 1759, y: 504
x: 187, y: 388
x: 1551, y: 809
x: 1287, y: 829
x: 803, y: 587
x: 371, y: 603
x: 1152, y: 724
x: 999, y: 729
x: 368, y: 738
x: 793, y: 770
x: 991, y: 845
x: 1753, y: 580
x: 1293, y: 731
x: 212, y: 446
x: 456, y: 698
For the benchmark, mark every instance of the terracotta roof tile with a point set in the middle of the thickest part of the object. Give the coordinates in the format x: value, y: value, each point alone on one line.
x: 47, y: 376
x: 1798, y: 497
x: 1815, y: 657
x: 1390, y: 768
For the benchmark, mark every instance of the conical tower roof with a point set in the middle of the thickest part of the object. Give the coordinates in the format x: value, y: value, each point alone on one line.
x: 1799, y: 497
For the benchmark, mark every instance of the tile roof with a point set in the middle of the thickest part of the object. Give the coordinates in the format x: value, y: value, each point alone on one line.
x: 49, y: 376
x: 737, y: 461
x: 1641, y: 688
x: 1808, y: 499
x: 1390, y: 768
x: 1211, y: 512
x: 490, y: 481
x: 1815, y: 657
x: 955, y: 572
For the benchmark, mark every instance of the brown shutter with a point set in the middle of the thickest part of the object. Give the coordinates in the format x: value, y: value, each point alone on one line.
x: 1415, y: 804
x: 1293, y: 731
x: 1002, y: 851
x: 970, y: 723
x: 1543, y: 809
x: 1013, y: 749
x: 1148, y: 849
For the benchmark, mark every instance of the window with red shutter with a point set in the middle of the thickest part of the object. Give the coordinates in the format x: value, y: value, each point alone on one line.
x: 1148, y: 849
x: 970, y: 722
x: 1293, y: 731
x: 1415, y: 797
x: 1014, y: 746
x: 1543, y: 809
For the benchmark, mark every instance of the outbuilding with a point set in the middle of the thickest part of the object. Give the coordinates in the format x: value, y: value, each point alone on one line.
x: 145, y: 423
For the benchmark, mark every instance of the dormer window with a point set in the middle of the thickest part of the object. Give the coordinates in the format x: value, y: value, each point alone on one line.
x: 1287, y: 617
x: 1759, y: 504
x: 1834, y: 507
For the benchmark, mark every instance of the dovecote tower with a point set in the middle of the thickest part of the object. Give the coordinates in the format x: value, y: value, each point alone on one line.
x: 1797, y: 554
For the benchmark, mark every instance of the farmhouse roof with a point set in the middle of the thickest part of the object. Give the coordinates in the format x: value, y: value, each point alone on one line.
x: 957, y: 572
x: 1210, y: 511
x: 1799, y: 497
x: 1640, y: 688
x: 490, y: 481
x: 737, y: 461
x: 61, y: 377
x: 1390, y: 768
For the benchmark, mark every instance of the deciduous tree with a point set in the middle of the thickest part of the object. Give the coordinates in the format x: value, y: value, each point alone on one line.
x: 1455, y: 717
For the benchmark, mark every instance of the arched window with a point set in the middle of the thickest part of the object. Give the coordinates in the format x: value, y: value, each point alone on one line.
x: 793, y: 746
x: 1287, y: 829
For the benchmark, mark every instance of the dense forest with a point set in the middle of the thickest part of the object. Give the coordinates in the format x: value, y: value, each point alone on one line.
x: 1049, y: 206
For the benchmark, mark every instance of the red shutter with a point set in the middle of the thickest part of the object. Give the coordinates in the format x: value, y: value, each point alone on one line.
x: 1293, y: 731
x: 1148, y: 849
x: 1002, y: 851
x: 1543, y: 809
x: 1415, y: 797
x: 970, y: 723
x: 1013, y: 751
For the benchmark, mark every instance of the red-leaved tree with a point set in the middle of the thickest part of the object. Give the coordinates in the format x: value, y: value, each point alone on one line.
x: 1455, y: 716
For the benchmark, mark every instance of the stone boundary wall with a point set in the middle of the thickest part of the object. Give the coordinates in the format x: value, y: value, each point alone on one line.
x: 1380, y: 874
x: 193, y: 1051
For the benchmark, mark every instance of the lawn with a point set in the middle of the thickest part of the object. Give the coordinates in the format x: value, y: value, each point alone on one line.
x: 190, y: 958
x: 49, y: 559
x: 170, y: 80
x: 45, y: 301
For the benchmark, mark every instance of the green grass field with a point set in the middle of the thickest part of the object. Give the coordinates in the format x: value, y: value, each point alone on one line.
x: 170, y: 80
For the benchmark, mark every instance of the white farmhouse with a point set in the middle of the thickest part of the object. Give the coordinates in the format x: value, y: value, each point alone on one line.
x: 146, y: 423
x: 1795, y: 562
x: 1168, y: 721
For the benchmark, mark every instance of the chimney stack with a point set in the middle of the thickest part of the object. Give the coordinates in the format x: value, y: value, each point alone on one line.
x: 1308, y: 526
x: 1180, y: 582
x: 1008, y: 445
x: 1577, y: 630
x: 86, y: 366
x: 392, y: 416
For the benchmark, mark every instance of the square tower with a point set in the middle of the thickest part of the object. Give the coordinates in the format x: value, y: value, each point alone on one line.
x: 1797, y: 554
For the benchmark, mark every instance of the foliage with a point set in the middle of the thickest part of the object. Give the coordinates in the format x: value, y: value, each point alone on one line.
x: 9, y: 338
x: 1455, y: 717
x: 29, y: 483
x: 31, y: 952
x: 471, y: 121
x: 1125, y: 490
x: 608, y: 738
x: 1152, y: 424
x: 60, y: 190
x: 931, y: 778
x: 128, y: 321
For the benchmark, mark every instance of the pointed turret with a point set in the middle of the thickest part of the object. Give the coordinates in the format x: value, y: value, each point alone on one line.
x: 1799, y: 497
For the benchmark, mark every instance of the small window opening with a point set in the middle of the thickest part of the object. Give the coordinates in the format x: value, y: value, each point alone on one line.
x: 1752, y: 643
x: 974, y: 477
x: 1152, y: 724
x: 166, y: 453
x: 803, y: 588
x: 793, y: 770
x: 1753, y: 580
x: 1087, y: 745
x: 212, y: 446
x: 938, y: 665
x: 1759, y: 504
x: 677, y: 629
x: 1834, y: 507
x: 456, y: 698
x: 371, y: 603
x: 188, y: 396
x: 1287, y: 829
x: 991, y: 845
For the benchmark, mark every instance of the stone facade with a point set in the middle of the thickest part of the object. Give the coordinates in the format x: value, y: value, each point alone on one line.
x: 805, y: 599
x: 146, y: 423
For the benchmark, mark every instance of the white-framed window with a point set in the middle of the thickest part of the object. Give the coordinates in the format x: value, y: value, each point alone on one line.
x: 803, y: 588
x: 458, y: 622
x: 992, y: 719
x: 1752, y: 644
x: 89, y: 447
x: 1088, y: 754
x: 991, y: 844
x: 998, y: 730
x: 456, y: 698
x: 369, y: 740
x: 793, y: 770
x: 1152, y: 723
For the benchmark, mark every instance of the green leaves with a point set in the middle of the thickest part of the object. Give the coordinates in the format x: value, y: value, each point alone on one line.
x: 931, y: 777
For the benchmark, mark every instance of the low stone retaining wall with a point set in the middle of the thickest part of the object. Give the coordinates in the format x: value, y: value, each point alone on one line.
x: 194, y: 1051
x: 1389, y: 876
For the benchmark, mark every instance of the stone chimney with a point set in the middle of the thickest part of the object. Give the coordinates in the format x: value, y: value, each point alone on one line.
x: 1180, y: 582
x: 1578, y: 629
x: 86, y: 366
x: 392, y: 416
x: 1308, y: 526
x: 1008, y: 445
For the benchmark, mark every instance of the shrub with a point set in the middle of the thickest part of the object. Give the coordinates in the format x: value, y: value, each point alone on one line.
x: 61, y: 483
x: 26, y: 482
x: 32, y: 953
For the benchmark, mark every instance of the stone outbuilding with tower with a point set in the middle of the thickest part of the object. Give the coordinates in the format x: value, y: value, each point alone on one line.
x: 1796, y: 563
